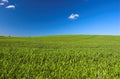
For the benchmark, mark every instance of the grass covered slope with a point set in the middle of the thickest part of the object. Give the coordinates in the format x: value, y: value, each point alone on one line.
x: 60, y: 57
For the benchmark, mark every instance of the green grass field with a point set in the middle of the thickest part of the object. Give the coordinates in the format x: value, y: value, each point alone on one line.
x: 60, y: 57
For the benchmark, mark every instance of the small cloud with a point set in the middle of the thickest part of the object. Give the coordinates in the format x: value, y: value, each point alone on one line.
x: 73, y: 16
x: 4, y: 1
x: 10, y: 6
x: 1, y: 3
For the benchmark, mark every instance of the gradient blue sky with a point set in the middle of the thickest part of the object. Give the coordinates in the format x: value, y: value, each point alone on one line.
x: 51, y: 17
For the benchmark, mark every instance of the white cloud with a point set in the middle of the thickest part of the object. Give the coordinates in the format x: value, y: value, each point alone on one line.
x: 5, y: 1
x: 1, y: 3
x: 10, y: 6
x: 73, y: 16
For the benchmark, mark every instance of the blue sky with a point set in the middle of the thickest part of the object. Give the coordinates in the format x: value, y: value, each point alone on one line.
x: 58, y: 17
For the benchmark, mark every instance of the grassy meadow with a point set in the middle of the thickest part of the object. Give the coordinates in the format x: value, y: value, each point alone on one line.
x: 60, y: 57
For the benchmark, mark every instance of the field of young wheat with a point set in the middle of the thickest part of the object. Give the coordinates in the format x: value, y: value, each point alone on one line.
x: 60, y: 57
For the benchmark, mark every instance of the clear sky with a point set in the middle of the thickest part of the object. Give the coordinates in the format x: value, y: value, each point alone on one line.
x: 58, y: 17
